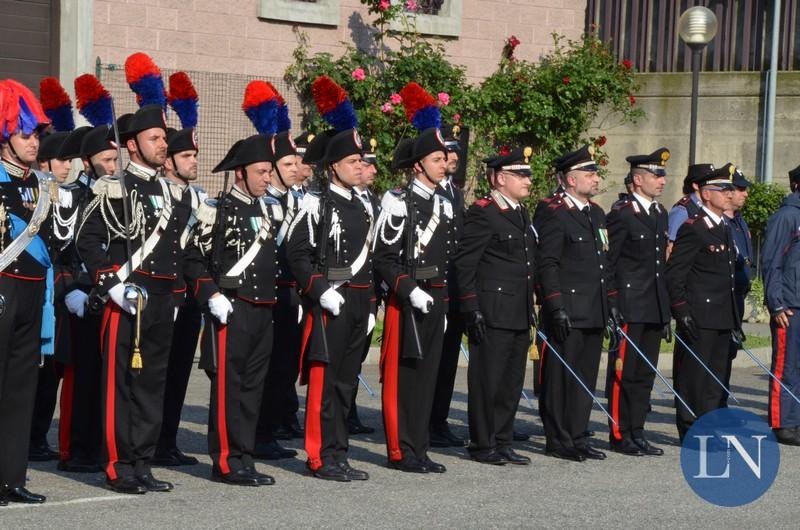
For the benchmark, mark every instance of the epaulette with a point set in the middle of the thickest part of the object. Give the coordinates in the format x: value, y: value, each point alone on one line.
x: 683, y: 201
x: 484, y: 202
x: 621, y: 204
x: 310, y: 204
x: 559, y: 202
x: 394, y: 204
x: 690, y: 221
x: 108, y: 186
x: 270, y: 200
x: 207, y: 212
x: 174, y: 189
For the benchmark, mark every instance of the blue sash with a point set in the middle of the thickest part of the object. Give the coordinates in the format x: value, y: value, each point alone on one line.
x: 38, y: 251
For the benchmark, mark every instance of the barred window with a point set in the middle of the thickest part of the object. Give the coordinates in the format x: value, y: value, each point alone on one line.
x: 645, y: 32
x: 429, y: 7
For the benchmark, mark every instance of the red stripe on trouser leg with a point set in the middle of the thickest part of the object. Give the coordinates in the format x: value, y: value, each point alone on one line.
x: 65, y: 416
x: 309, y: 326
x: 541, y: 362
x: 390, y: 357
x: 316, y: 383
x: 616, y: 386
x: 222, y: 420
x: 111, y: 316
x: 775, y: 390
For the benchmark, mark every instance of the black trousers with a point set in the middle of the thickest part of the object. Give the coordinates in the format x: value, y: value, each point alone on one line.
x: 133, y: 401
x: 79, y: 424
x: 352, y: 414
x: 44, y: 405
x: 179, y: 369
x: 409, y: 383
x: 448, y: 367
x: 243, y: 349
x: 630, y: 381
x: 564, y: 405
x: 20, y: 329
x: 330, y: 385
x: 279, y: 404
x: 733, y: 350
x: 695, y: 384
x: 495, y: 376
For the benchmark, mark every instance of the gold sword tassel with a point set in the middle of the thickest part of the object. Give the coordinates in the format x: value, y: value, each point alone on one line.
x: 136, y: 360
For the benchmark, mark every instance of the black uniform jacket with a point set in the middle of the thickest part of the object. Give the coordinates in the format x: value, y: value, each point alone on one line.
x: 700, y: 274
x: 572, y: 262
x: 637, y: 258
x: 495, y: 263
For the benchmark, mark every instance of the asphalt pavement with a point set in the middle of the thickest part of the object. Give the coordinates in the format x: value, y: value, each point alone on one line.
x: 619, y: 492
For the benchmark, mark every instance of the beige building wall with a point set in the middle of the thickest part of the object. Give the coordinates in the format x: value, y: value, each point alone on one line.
x: 227, y: 36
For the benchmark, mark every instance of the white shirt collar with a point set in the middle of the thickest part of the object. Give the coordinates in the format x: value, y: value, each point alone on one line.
x: 422, y: 190
x: 578, y: 204
x: 340, y: 191
x: 275, y: 192
x: 644, y: 202
x: 714, y: 217
x: 241, y: 195
x: 142, y: 169
x: 445, y: 181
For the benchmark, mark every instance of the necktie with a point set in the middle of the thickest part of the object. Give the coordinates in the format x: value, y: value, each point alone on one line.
x: 653, y: 209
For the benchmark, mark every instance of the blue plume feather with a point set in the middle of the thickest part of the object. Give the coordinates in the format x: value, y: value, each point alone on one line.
x: 27, y: 119
x: 61, y: 118
x: 98, y: 112
x: 150, y: 90
x: 186, y: 109
x: 342, y: 117
x: 284, y: 121
x: 264, y: 116
x: 427, y: 117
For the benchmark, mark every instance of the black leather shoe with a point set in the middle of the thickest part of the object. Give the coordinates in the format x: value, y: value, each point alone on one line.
x: 494, y: 459
x: 151, y: 483
x: 408, y: 465
x: 172, y: 458
x: 282, y: 433
x: 23, y: 496
x: 433, y: 467
x: 442, y: 436
x: 626, y: 446
x: 78, y: 466
x: 261, y: 478
x: 513, y: 457
x: 127, y: 485
x: 332, y: 472
x: 356, y: 427
x: 566, y: 453
x: 789, y: 436
x: 520, y: 436
x: 353, y: 474
x: 272, y: 451
x: 648, y: 448
x: 240, y: 477
x: 590, y: 452
x: 41, y: 452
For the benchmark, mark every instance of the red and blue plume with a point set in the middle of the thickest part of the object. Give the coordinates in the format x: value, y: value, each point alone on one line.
x: 19, y: 109
x: 421, y: 108
x: 93, y: 100
x: 183, y: 99
x: 333, y: 104
x: 261, y: 104
x: 284, y: 121
x: 144, y: 78
x: 56, y: 104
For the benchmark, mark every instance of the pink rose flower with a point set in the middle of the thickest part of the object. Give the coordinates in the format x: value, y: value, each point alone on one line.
x: 396, y: 99
x: 387, y: 107
x: 384, y: 5
x: 457, y: 118
x: 359, y: 74
x: 411, y: 5
x: 444, y: 98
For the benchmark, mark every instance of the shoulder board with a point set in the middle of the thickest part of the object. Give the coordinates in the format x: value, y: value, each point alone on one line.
x: 174, y: 189
x: 690, y: 221
x: 393, y: 203
x: 309, y: 203
x: 622, y: 204
x: 269, y: 200
x: 683, y: 201
x: 483, y: 203
x: 108, y: 186
x: 557, y: 203
x: 206, y: 213
x: 400, y: 192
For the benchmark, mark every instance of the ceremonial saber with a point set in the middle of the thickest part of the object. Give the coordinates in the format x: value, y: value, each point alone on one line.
x: 763, y: 367
x: 366, y: 385
x: 583, y: 385
x: 465, y: 353
x: 707, y: 369
x: 656, y: 370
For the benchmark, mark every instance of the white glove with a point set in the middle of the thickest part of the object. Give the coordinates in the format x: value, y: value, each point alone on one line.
x: 421, y: 300
x: 117, y: 294
x: 370, y: 323
x: 445, y: 322
x: 175, y: 315
x: 299, y: 314
x: 220, y: 307
x: 76, y: 302
x: 331, y: 301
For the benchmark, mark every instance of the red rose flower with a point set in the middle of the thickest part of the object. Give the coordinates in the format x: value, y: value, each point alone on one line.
x: 633, y: 101
x: 627, y: 64
x: 603, y: 162
x: 600, y: 141
x: 565, y: 80
x: 513, y: 41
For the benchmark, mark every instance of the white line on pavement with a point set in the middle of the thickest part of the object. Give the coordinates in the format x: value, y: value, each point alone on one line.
x: 12, y: 506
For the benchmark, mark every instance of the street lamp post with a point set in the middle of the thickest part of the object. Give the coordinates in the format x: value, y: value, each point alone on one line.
x: 696, y: 27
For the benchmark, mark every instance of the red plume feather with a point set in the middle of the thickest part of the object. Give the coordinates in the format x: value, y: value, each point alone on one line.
x: 415, y: 98
x: 327, y: 94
